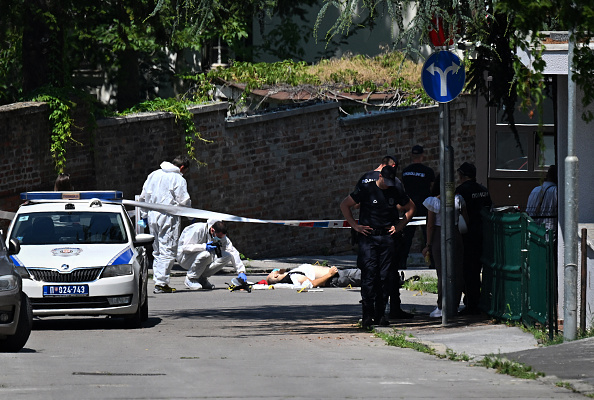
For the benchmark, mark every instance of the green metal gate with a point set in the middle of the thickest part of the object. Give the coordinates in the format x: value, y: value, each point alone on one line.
x: 519, y: 281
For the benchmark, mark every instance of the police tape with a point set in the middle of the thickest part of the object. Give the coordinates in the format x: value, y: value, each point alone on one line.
x: 204, y: 214
x: 7, y: 215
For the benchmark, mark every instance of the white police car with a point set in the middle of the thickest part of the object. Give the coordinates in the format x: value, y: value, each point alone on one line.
x: 80, y: 255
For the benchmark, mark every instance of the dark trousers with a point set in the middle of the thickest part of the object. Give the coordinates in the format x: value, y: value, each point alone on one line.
x: 407, y: 239
x: 394, y: 277
x: 472, y: 267
x: 374, y: 258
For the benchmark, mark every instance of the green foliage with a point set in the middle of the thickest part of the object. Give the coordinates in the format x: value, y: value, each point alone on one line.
x: 565, y: 385
x: 11, y: 80
x: 453, y: 356
x: 399, y: 339
x: 258, y: 75
x: 61, y: 105
x: 511, y: 368
x: 495, y: 32
x: 183, y: 117
x: 389, y: 72
x: 426, y: 284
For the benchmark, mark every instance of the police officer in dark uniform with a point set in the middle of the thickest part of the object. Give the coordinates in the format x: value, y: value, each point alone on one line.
x: 477, y: 198
x: 417, y: 179
x: 378, y: 221
x: 396, y: 311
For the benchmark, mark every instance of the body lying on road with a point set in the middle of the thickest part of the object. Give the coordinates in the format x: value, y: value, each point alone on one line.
x: 318, y: 275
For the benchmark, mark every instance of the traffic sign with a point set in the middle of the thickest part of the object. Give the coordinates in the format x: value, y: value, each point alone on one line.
x: 443, y: 76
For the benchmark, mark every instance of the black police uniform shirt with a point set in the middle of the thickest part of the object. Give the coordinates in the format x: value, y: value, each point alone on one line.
x: 378, y: 206
x: 368, y: 177
x: 417, y: 179
x: 476, y: 197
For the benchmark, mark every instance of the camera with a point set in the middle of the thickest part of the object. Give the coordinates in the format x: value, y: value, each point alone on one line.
x: 218, y: 251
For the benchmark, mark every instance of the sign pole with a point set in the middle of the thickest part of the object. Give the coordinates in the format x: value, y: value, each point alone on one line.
x: 443, y: 79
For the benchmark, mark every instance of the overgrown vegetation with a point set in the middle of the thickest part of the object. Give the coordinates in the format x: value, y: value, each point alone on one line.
x: 183, y: 117
x: 542, y: 335
x: 426, y: 284
x: 399, y: 339
x: 61, y: 105
x: 389, y: 73
x: 508, y: 367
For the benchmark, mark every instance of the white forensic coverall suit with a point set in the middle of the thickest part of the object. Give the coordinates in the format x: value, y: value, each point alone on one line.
x: 164, y: 186
x: 200, y: 263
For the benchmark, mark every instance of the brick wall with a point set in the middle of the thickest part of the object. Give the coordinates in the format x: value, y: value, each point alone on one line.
x: 296, y: 164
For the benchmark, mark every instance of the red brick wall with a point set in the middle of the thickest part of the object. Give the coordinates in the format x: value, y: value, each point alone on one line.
x: 296, y: 164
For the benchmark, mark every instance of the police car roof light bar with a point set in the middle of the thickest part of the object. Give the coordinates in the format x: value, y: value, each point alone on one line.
x: 74, y: 195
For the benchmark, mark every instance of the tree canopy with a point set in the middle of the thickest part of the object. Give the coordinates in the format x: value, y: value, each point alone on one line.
x: 48, y: 42
x: 491, y: 33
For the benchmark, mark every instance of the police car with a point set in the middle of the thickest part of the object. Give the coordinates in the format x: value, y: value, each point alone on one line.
x: 80, y: 255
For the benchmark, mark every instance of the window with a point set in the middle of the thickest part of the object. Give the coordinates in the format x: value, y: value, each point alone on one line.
x: 527, y: 151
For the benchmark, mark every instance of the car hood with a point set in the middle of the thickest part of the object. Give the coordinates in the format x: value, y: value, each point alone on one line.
x: 52, y: 256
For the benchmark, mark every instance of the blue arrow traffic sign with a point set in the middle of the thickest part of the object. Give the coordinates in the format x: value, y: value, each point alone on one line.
x: 443, y: 76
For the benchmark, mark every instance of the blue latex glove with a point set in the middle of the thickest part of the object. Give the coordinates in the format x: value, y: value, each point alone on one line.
x: 210, y: 247
x: 143, y: 223
x: 243, y: 276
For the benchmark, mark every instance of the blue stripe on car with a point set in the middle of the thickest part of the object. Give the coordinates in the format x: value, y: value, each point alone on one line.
x: 16, y: 261
x: 123, y: 257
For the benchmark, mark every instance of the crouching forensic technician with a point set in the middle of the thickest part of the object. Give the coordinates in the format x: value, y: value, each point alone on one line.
x: 204, y: 249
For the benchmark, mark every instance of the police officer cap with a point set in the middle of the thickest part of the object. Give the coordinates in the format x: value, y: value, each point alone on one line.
x: 389, y: 175
x: 417, y: 149
x: 393, y: 158
x: 468, y: 169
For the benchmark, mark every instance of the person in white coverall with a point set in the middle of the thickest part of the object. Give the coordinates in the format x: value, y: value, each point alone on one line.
x: 196, y: 252
x: 165, y: 186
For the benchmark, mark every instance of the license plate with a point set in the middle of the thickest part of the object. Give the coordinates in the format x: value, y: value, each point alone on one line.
x: 66, y: 290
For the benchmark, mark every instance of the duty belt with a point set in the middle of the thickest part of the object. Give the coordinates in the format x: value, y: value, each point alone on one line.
x: 380, y: 232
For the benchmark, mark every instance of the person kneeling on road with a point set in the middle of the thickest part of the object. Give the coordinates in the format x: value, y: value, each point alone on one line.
x: 204, y: 249
x: 318, y: 275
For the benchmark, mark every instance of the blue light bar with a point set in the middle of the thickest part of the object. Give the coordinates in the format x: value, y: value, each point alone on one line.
x: 85, y: 195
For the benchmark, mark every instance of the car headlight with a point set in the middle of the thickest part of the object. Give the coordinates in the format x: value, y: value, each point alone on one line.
x: 8, y: 282
x: 117, y: 270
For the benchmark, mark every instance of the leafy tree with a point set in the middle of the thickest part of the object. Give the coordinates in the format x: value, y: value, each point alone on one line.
x: 45, y: 41
x: 495, y: 31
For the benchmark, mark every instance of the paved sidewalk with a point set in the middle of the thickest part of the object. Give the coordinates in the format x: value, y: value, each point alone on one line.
x: 475, y: 336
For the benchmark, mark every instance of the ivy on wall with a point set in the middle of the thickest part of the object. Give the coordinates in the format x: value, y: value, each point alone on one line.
x: 61, y: 122
x: 183, y: 117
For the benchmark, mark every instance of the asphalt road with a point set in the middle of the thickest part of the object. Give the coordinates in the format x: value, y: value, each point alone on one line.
x: 272, y: 344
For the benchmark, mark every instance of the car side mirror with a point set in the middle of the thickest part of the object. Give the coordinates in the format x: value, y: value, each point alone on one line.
x: 143, y: 239
x: 14, y: 247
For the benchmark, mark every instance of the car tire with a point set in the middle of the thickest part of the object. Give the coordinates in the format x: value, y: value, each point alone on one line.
x: 144, y: 311
x: 134, y: 321
x: 17, y: 341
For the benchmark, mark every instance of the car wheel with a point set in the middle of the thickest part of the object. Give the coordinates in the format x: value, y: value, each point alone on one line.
x: 17, y: 341
x: 134, y: 321
x: 144, y: 311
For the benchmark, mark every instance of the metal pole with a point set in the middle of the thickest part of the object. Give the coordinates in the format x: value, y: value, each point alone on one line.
x: 443, y: 115
x: 450, y: 274
x: 448, y: 308
x: 584, y: 279
x: 571, y: 212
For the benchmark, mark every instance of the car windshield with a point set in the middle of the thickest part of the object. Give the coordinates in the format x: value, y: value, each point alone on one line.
x: 69, y: 228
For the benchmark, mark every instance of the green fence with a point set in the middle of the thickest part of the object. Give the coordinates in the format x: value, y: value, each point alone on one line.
x: 519, y: 280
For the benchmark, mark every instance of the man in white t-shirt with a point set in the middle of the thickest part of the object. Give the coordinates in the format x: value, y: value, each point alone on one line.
x: 318, y: 275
